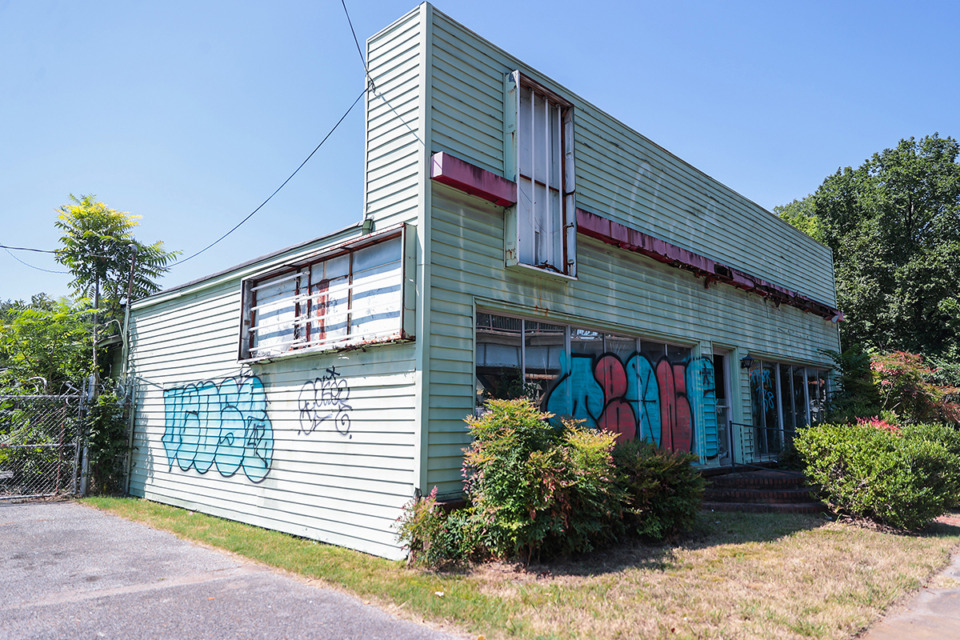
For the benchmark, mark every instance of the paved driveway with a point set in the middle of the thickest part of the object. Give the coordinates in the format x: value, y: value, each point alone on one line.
x: 69, y: 571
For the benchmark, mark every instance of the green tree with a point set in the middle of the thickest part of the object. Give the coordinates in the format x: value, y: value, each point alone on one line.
x: 800, y: 214
x: 98, y: 249
x: 44, y: 344
x: 893, y: 224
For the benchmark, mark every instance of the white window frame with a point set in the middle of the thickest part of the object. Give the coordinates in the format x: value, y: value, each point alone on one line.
x: 296, y: 313
x: 540, y: 232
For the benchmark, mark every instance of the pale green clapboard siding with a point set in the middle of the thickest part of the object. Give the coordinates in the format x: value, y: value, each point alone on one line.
x: 393, y: 155
x: 346, y: 489
x: 616, y: 291
x: 620, y: 174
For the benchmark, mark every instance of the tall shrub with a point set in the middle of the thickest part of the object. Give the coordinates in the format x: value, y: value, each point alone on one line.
x: 108, y: 442
x: 536, y: 489
x: 903, y: 479
x: 663, y: 491
x: 855, y: 393
x: 905, y: 386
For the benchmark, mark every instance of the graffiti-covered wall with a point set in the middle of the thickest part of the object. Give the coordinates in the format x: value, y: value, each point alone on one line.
x: 672, y: 403
x: 321, y: 446
x: 626, y: 385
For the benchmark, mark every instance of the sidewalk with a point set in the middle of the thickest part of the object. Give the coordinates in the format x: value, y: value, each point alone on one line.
x: 70, y: 571
x: 933, y: 614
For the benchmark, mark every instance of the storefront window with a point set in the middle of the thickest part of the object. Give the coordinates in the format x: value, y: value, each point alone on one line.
x: 784, y: 398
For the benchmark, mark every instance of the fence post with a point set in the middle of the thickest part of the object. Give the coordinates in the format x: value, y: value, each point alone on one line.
x: 85, y: 399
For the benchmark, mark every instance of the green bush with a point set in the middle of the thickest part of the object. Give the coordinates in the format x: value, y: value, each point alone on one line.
x: 904, y: 479
x: 945, y: 434
x: 855, y: 394
x: 538, y: 490
x: 433, y: 535
x: 663, y: 490
x: 107, y: 440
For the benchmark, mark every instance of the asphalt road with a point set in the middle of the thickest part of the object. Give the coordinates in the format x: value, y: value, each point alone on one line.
x: 69, y: 571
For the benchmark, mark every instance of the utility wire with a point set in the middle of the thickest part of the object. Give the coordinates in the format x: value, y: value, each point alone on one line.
x: 373, y: 86
x: 355, y: 40
x: 27, y: 264
x: 251, y: 214
x: 3, y: 246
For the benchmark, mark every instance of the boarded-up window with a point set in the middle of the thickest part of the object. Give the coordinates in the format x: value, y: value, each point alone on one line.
x: 349, y: 296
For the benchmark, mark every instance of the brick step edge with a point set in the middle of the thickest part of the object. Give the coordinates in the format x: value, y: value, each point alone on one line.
x: 733, y: 494
x: 760, y: 507
x: 748, y: 482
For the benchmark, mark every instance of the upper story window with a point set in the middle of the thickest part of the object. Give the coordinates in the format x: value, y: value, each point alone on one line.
x: 541, y: 228
x: 351, y: 295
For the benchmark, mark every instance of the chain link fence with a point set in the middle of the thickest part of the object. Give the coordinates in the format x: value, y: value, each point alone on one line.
x: 40, y: 445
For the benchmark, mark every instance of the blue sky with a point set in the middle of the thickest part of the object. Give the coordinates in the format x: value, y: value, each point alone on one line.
x: 191, y: 113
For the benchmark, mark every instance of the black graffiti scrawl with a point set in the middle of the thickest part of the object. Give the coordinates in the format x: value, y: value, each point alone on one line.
x: 223, y: 424
x: 324, y: 400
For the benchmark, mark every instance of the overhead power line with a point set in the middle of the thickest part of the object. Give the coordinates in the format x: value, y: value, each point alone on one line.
x: 27, y: 264
x: 3, y: 246
x: 270, y: 197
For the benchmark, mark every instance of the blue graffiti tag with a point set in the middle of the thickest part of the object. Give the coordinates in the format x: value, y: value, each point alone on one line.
x: 606, y: 391
x: 702, y: 388
x: 225, y: 425
x: 761, y: 384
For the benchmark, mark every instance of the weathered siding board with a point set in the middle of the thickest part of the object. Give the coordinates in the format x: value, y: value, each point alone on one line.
x: 393, y: 166
x: 343, y: 482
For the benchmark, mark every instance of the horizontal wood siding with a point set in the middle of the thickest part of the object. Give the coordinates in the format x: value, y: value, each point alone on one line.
x: 620, y: 174
x: 342, y: 483
x: 393, y: 153
x: 616, y: 290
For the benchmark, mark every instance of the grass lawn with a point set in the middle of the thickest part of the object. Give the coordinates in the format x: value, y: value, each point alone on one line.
x: 739, y: 576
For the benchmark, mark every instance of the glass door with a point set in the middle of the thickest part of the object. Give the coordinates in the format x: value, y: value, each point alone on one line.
x: 721, y: 374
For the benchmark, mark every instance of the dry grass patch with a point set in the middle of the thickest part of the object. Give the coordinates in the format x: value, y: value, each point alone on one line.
x: 794, y: 577
x: 743, y: 576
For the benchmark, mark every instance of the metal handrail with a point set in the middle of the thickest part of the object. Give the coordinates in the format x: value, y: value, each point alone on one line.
x: 772, y: 443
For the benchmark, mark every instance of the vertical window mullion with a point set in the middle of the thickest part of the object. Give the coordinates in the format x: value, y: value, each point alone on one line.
x: 533, y: 175
x: 793, y: 401
x: 310, y: 301
x: 297, y: 317
x: 547, y: 220
x: 779, y: 396
x: 252, y: 336
x: 523, y: 350
x: 349, y: 327
x: 557, y: 158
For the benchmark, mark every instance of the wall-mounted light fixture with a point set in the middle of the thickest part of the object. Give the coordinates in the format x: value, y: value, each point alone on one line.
x: 746, y: 361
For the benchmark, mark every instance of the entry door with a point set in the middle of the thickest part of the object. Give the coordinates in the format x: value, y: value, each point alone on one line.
x: 721, y: 365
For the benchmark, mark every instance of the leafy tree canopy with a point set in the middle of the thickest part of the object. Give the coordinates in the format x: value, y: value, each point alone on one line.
x: 99, y: 246
x: 43, y: 344
x: 893, y: 224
